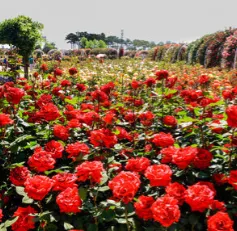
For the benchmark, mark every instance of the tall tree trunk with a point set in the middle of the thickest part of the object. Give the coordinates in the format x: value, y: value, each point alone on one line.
x: 26, y: 65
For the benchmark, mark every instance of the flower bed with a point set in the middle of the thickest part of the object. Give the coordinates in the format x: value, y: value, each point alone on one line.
x: 119, y: 145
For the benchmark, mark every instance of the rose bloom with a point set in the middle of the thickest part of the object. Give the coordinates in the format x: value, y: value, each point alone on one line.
x: 25, y: 219
x: 220, y: 222
x: 1, y: 215
x: 231, y: 112
x: 18, y: 175
x: 159, y: 175
x: 170, y: 120
x: 41, y: 161
x: 72, y: 71
x: 55, y: 148
x: 63, y: 181
x: 69, y: 201
x: 202, y: 79
x: 202, y: 159
x: 163, y: 140
x: 5, y: 120
x: 184, y: 157
x: 81, y: 87
x: 167, y: 154
x: 125, y: 186
x: 90, y: 170
x: 233, y: 179
x: 143, y: 207
x: 199, y: 197
x: 139, y: 164
x: 44, y: 99
x: 58, y: 72
x: 146, y: 118
x: 220, y: 178
x: 162, y: 74
x: 61, y: 132
x: 14, y: 95
x: 176, y: 190
x: 48, y: 112
x: 166, y: 210
x: 37, y: 187
x: 103, y: 138
x: 75, y: 149
x: 44, y: 67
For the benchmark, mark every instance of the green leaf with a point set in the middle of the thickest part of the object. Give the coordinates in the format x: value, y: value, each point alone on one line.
x: 83, y: 193
x: 20, y: 190
x: 67, y: 226
x: 8, y: 223
x: 27, y: 200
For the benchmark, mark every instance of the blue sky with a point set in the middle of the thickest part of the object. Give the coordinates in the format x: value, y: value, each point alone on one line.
x: 153, y: 20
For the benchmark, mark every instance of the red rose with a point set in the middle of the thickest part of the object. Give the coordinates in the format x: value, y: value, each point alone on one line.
x: 202, y: 79
x: 167, y: 154
x: 136, y: 84
x: 69, y: 201
x: 55, y: 148
x: 220, y: 222
x: 159, y: 175
x: 199, y: 197
x: 81, y: 87
x: 139, y: 164
x: 1, y: 215
x: 5, y: 120
x: 176, y: 190
x: 163, y: 140
x: 143, y: 207
x: 231, y: 112
x: 19, y: 175
x: 37, y: 187
x: 233, y: 179
x: 48, y: 112
x: 146, y: 118
x: 44, y: 67
x: 90, y: 170
x: 184, y: 157
x: 107, y: 88
x: 123, y: 134
x: 166, y: 210
x: 14, y: 95
x: 63, y: 181
x: 58, y: 72
x: 202, y: 159
x: 220, y: 178
x: 25, y: 219
x: 65, y: 83
x: 170, y: 120
x: 150, y: 81
x: 218, y: 205
x: 44, y: 99
x: 72, y: 71
x: 103, y: 138
x: 99, y: 96
x: 36, y: 74
x: 41, y: 161
x: 162, y: 74
x: 61, y: 132
x: 125, y: 186
x: 75, y: 149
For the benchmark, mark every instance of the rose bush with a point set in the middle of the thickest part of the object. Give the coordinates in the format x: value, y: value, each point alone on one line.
x: 119, y: 146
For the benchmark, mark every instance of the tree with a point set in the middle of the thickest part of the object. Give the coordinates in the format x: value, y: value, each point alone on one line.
x: 23, y: 33
x: 101, y: 44
x: 49, y: 46
x: 72, y: 39
x: 83, y: 42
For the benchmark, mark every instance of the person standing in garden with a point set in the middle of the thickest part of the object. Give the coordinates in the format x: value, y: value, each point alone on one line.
x: 31, y: 61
